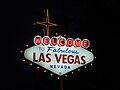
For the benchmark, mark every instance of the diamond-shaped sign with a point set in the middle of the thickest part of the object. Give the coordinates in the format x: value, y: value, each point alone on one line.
x: 59, y: 60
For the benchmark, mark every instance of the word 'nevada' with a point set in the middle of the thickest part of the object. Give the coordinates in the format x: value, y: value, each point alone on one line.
x: 69, y: 42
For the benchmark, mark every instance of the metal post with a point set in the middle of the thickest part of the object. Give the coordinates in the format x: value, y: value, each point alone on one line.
x: 61, y: 83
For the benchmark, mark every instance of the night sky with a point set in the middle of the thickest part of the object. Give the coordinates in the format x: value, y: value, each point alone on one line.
x: 97, y: 21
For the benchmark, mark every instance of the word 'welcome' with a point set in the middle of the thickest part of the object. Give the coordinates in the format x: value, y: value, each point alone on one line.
x: 61, y: 41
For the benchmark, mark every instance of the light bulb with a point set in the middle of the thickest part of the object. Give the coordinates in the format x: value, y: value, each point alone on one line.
x: 44, y: 70
x: 38, y: 67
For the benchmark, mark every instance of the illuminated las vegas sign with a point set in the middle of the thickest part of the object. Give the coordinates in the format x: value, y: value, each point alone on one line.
x: 58, y: 54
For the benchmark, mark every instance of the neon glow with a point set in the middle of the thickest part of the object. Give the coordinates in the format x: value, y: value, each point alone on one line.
x: 85, y: 43
x: 59, y: 58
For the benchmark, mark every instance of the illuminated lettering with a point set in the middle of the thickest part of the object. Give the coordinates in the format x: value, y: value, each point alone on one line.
x: 77, y: 60
x: 42, y: 57
x: 70, y: 59
x: 48, y: 59
x: 77, y: 42
x: 69, y: 42
x: 61, y: 42
x: 60, y: 66
x: 85, y: 43
x: 64, y: 59
x: 60, y: 50
x: 58, y: 59
x: 37, y: 40
x: 83, y: 60
x: 34, y: 57
x: 53, y: 41
x: 46, y: 40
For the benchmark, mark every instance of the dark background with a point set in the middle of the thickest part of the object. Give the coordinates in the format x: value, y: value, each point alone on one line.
x: 96, y: 20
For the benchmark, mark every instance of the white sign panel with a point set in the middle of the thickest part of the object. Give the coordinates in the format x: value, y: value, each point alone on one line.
x: 58, y: 59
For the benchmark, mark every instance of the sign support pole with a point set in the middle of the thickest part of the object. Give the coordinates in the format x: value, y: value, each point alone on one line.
x: 61, y: 83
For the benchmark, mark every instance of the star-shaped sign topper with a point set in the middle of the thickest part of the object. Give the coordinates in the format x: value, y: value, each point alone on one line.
x: 47, y: 24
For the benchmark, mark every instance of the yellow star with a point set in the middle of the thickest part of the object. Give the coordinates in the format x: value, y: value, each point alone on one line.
x: 47, y: 24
